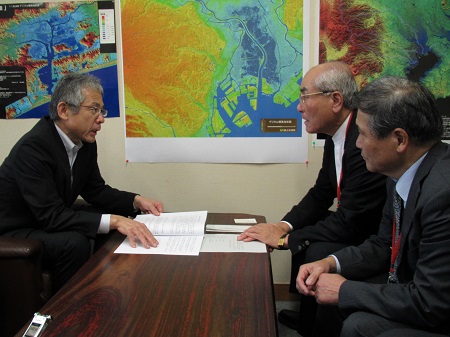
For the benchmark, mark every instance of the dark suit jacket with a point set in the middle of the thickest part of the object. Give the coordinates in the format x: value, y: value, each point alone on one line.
x: 35, y: 186
x: 422, y: 299
x: 363, y: 195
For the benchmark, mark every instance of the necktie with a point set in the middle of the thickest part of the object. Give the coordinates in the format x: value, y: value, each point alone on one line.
x: 396, y: 237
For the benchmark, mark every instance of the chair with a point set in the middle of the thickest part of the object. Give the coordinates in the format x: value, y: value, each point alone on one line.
x: 24, y: 286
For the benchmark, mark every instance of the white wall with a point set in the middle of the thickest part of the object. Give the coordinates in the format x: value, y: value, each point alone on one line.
x: 265, y: 189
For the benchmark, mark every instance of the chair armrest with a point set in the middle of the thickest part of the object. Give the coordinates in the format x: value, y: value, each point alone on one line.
x: 19, y: 248
x: 21, y: 281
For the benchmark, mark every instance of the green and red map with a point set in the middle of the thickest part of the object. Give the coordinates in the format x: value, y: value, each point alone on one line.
x: 386, y: 37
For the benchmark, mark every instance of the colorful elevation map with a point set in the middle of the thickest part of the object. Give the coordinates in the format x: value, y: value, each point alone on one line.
x: 40, y: 42
x: 212, y: 68
x: 385, y: 37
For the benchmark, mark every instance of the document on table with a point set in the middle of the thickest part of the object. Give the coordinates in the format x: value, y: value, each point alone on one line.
x: 228, y: 243
x: 226, y: 228
x: 239, y: 226
x: 179, y: 233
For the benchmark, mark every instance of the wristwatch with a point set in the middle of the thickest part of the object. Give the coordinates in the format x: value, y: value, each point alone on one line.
x: 281, y: 241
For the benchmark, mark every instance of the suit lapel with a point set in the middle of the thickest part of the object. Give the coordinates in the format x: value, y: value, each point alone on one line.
x: 434, y: 154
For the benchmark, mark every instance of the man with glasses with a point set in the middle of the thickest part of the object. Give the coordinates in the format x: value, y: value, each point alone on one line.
x: 311, y: 230
x: 55, y: 163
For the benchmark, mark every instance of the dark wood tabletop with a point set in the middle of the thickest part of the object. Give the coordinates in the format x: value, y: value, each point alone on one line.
x: 210, y: 295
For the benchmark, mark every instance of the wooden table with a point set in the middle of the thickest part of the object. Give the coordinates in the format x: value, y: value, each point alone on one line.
x: 210, y: 295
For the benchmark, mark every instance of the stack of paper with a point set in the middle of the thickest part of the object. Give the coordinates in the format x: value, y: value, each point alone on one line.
x: 178, y: 233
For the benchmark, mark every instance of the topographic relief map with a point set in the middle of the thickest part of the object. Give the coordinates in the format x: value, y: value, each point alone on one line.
x: 212, y: 68
x: 386, y: 37
x: 39, y: 42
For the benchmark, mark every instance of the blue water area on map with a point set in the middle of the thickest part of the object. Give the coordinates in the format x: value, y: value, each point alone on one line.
x: 266, y: 109
x: 108, y: 77
x: 261, y: 54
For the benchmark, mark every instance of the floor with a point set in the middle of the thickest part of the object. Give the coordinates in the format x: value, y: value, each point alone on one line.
x: 284, y: 331
x: 285, y: 300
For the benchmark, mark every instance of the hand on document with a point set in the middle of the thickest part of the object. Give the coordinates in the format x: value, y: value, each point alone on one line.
x: 269, y: 233
x: 147, y: 206
x: 133, y: 229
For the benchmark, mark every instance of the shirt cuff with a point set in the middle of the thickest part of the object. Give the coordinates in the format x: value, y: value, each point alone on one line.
x: 136, y: 209
x: 338, y: 265
x: 104, y: 224
x: 290, y: 226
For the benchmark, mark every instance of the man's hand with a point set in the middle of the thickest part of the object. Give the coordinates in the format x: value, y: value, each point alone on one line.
x: 133, y: 229
x: 309, y: 273
x: 268, y: 233
x: 327, y: 288
x: 148, y: 206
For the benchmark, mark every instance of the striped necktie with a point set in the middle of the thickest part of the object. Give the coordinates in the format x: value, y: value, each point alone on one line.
x: 396, y: 237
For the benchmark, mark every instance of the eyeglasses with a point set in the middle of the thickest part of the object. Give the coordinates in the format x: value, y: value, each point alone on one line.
x: 305, y: 96
x: 96, y: 110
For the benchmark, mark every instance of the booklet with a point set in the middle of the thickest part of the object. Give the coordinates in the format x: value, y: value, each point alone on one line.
x: 179, y: 233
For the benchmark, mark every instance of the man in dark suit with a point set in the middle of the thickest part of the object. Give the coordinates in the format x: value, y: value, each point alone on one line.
x: 400, y: 130
x: 310, y: 230
x: 53, y: 164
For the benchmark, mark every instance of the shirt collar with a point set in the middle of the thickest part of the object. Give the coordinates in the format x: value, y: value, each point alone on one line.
x: 68, y: 144
x: 404, y: 183
x: 340, y: 134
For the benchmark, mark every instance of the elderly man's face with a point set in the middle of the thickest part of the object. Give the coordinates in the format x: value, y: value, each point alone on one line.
x: 316, y: 109
x: 380, y: 154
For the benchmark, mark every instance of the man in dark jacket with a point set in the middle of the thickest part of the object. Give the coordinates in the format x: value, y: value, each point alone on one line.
x: 53, y: 164
x: 310, y: 230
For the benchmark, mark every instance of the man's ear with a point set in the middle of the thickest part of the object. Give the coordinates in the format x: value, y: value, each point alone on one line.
x: 338, y: 101
x: 63, y: 110
x: 402, y: 139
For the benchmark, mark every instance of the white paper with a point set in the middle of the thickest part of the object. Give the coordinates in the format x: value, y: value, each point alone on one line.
x: 218, y: 149
x: 179, y: 233
x: 179, y: 223
x: 168, y: 245
x: 242, y: 221
x: 226, y: 228
x: 228, y: 243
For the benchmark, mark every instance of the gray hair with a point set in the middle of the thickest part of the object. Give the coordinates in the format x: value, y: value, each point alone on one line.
x: 69, y: 89
x: 337, y: 76
x: 394, y: 102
